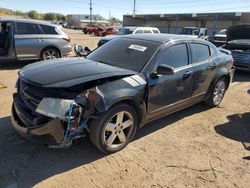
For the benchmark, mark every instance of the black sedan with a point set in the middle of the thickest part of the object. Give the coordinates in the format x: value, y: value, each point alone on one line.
x: 117, y: 89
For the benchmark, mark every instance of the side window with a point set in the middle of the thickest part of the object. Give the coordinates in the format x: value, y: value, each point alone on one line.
x: 27, y: 29
x: 147, y: 31
x: 139, y: 31
x: 155, y: 31
x: 175, y: 56
x: 49, y: 30
x: 200, y: 52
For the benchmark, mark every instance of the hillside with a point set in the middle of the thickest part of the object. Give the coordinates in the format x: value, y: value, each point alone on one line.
x: 6, y: 12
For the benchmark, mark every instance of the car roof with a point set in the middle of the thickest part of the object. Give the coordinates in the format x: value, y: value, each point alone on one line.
x: 133, y: 27
x: 9, y: 19
x: 160, y: 38
x: 190, y: 27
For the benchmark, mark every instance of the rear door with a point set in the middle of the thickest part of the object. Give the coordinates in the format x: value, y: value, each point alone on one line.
x: 27, y: 40
x: 171, y: 92
x: 204, y: 64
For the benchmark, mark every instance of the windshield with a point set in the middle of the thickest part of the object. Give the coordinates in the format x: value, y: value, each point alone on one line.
x: 188, y: 31
x: 131, y: 54
x: 125, y: 31
x: 222, y: 32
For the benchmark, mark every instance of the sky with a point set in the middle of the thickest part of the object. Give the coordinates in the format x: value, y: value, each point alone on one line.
x: 118, y: 8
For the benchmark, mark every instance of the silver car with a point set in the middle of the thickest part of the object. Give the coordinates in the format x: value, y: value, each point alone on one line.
x: 23, y: 39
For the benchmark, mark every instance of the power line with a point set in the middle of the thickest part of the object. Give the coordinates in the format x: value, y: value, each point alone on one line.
x: 167, y: 2
x: 134, y: 8
x: 156, y: 6
x: 90, y: 10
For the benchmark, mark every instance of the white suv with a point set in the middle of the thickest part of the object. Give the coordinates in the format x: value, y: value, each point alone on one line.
x: 138, y: 30
x: 127, y: 31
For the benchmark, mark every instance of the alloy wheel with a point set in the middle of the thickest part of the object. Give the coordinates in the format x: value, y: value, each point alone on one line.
x: 118, y: 129
x: 219, y: 92
x: 50, y: 54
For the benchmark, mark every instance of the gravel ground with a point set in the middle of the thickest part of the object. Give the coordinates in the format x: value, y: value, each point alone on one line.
x: 196, y: 147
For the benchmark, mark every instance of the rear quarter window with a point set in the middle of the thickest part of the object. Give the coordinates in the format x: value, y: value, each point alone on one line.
x: 200, y: 52
x: 49, y: 30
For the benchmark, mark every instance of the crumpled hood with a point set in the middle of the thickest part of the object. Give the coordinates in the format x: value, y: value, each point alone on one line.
x: 238, y: 32
x: 68, y: 72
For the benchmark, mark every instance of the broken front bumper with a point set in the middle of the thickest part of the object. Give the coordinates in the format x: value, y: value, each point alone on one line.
x: 50, y: 133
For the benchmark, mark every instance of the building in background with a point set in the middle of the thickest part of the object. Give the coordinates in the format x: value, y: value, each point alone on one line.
x: 173, y: 23
x: 81, y: 20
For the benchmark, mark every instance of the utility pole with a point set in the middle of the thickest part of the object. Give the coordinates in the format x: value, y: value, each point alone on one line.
x: 134, y: 8
x: 90, y: 11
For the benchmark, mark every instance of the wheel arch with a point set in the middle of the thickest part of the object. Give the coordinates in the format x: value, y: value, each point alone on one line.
x: 140, y: 108
x: 222, y: 73
x: 51, y: 46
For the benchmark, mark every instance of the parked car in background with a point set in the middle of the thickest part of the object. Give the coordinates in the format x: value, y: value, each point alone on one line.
x: 22, y: 39
x: 117, y: 89
x: 91, y: 28
x: 220, y: 38
x: 129, y: 30
x: 106, y: 31
x: 238, y: 42
x: 195, y: 32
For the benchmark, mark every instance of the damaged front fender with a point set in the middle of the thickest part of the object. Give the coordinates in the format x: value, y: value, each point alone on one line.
x: 100, y: 98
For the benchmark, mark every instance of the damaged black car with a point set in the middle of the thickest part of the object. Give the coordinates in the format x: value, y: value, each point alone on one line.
x: 238, y: 42
x: 117, y: 89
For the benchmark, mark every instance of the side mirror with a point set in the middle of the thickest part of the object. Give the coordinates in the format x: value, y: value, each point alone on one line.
x: 164, y: 70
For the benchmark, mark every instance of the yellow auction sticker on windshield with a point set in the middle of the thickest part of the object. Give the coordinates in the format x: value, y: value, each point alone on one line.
x: 2, y: 86
x: 137, y: 47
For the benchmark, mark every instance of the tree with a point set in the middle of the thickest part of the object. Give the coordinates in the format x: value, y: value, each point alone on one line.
x: 33, y: 14
x: 20, y: 13
x: 61, y: 17
x: 50, y: 16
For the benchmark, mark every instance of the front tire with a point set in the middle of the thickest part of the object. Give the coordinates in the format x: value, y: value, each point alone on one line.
x: 216, y: 92
x: 114, y: 129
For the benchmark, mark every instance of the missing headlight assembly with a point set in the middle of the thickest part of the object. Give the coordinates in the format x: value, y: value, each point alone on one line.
x: 64, y: 119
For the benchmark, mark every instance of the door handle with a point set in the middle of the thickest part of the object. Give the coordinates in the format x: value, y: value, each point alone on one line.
x: 187, y: 74
x: 40, y: 40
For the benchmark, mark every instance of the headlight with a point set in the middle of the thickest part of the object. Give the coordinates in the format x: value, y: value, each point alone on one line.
x: 55, y: 108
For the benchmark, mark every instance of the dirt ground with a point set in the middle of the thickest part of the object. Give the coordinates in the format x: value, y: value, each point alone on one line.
x: 196, y: 147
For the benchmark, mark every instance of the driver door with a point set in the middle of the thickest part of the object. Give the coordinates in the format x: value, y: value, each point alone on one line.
x: 7, y: 48
x: 167, y: 93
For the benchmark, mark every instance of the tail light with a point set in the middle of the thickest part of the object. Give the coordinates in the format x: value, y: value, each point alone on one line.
x: 67, y: 39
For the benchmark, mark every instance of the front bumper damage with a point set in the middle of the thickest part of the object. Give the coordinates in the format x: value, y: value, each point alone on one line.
x: 56, y: 131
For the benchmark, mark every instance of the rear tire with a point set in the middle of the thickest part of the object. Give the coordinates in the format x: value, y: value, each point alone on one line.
x: 49, y: 53
x: 216, y: 92
x: 114, y: 129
